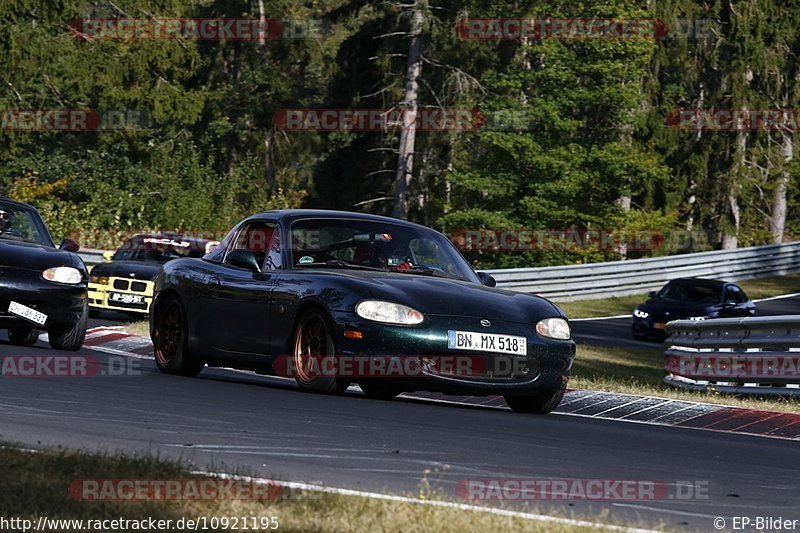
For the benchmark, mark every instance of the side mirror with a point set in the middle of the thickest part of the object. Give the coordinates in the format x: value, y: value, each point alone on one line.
x: 243, y: 259
x: 486, y: 279
x: 651, y: 294
x: 70, y: 245
x: 108, y: 254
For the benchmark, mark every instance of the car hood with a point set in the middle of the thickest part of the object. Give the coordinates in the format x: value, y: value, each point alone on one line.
x: 146, y: 270
x: 674, y: 310
x: 447, y: 297
x: 29, y: 256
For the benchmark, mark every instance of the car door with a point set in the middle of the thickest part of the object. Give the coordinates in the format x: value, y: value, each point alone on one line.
x: 236, y: 302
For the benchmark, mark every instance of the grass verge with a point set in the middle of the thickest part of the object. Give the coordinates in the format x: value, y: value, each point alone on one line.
x: 641, y: 372
x: 624, y: 305
x: 36, y: 484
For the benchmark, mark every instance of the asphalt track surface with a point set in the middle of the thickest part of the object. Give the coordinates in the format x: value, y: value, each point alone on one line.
x: 243, y: 423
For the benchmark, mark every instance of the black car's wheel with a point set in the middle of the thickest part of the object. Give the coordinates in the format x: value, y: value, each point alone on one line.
x: 169, y: 341
x: 378, y: 391
x: 540, y: 403
x: 638, y: 335
x: 312, y: 345
x: 70, y: 338
x: 23, y: 336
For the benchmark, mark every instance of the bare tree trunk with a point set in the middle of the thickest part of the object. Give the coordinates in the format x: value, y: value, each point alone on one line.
x: 408, y: 133
x: 262, y: 21
x: 777, y: 221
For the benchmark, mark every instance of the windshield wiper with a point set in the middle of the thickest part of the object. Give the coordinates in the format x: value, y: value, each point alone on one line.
x: 339, y: 263
x: 425, y: 270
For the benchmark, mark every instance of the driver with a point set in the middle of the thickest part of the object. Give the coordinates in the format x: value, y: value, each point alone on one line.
x: 5, y: 219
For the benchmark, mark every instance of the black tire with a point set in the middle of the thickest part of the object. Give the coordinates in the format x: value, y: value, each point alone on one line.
x: 540, y: 403
x: 70, y: 338
x: 638, y: 336
x: 379, y: 391
x: 170, y: 341
x: 311, y: 343
x: 23, y: 336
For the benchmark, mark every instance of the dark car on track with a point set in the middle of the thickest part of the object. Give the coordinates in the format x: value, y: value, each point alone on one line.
x: 689, y: 298
x: 303, y: 289
x: 125, y: 282
x: 42, y: 288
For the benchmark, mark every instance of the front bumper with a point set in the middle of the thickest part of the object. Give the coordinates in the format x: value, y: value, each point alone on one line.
x: 134, y: 295
x: 63, y: 304
x: 546, y: 367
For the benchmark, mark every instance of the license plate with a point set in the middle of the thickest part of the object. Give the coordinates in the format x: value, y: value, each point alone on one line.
x: 659, y: 325
x: 487, y: 342
x: 126, y: 298
x: 23, y: 311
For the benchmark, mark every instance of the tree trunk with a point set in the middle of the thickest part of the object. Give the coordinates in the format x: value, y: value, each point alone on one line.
x: 408, y: 133
x: 778, y: 218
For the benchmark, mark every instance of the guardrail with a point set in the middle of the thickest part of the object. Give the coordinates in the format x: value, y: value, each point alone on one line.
x: 753, y: 355
x: 636, y: 276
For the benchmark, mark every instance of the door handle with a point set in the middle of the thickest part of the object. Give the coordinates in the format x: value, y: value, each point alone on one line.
x: 214, y: 281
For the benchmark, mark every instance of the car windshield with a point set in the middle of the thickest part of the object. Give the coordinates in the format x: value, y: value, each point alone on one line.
x: 372, y: 245
x: 158, y: 248
x: 19, y: 223
x: 687, y: 291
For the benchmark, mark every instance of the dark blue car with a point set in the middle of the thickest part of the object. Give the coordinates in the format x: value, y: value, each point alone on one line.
x: 689, y: 298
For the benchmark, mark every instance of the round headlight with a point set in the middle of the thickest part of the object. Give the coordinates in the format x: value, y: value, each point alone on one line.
x: 388, y: 312
x: 66, y: 275
x: 554, y: 328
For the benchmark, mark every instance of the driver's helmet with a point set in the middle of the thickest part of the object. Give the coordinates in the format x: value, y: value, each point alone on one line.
x: 5, y: 219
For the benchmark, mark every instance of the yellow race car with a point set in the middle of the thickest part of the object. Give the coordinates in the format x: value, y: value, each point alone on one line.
x: 125, y: 282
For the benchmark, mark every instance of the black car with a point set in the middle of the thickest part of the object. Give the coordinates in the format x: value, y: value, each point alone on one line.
x: 41, y: 287
x: 689, y: 298
x: 125, y: 282
x: 304, y: 288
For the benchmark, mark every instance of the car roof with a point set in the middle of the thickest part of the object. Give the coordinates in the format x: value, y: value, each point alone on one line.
x: 702, y: 281
x: 289, y: 215
x: 169, y: 235
x: 14, y: 202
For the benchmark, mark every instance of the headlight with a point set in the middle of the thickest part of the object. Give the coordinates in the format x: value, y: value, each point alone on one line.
x: 66, y: 275
x: 554, y: 328
x: 388, y: 312
x: 640, y: 314
x: 100, y: 280
x: 697, y: 318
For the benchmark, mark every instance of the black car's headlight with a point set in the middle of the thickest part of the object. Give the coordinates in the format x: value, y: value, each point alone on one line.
x: 62, y: 274
x: 554, y: 328
x: 388, y: 312
x: 638, y: 313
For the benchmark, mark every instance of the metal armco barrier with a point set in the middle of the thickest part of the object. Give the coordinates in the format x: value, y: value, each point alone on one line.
x: 754, y: 355
x: 636, y: 276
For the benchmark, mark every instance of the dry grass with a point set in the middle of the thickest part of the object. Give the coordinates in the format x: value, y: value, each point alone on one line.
x: 36, y: 484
